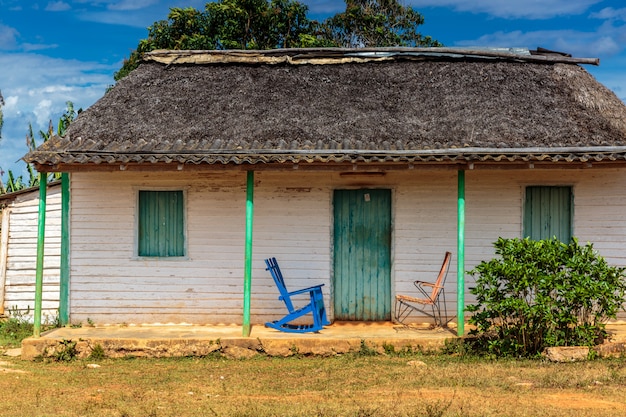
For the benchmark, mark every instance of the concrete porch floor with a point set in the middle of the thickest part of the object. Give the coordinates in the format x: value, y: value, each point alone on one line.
x: 193, y: 340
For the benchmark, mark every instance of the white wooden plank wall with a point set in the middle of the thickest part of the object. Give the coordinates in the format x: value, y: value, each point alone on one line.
x: 110, y: 284
x: 293, y: 222
x: 600, y: 212
x: 494, y: 208
x: 599, y: 216
x: 425, y: 218
x: 426, y: 227
x: 19, y: 291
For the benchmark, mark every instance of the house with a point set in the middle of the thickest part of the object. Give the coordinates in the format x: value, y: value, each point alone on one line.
x: 18, y: 252
x: 357, y: 169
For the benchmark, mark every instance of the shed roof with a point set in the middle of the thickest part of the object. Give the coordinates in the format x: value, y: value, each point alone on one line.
x: 338, y: 106
x: 8, y: 198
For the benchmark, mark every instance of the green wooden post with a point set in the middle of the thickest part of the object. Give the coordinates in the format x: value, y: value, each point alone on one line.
x: 247, y: 281
x: 460, y: 282
x: 41, y: 232
x: 64, y: 290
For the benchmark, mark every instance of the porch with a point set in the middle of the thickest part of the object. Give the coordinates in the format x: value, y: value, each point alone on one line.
x: 195, y: 340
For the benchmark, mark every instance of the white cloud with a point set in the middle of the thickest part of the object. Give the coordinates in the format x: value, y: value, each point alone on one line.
x: 30, y: 47
x: 10, y: 103
x: 134, y: 13
x: 602, y: 46
x: 131, y: 4
x: 509, y: 9
x: 51, y: 90
x: 610, y: 13
x: 9, y: 41
x: 13, y: 5
x: 606, y: 39
x: 8, y: 37
x: 581, y: 44
x: 530, y: 9
x: 57, y: 6
x: 39, y: 94
x: 118, y: 18
x: 43, y: 112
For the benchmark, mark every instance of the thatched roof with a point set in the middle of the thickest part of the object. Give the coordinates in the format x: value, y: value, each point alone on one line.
x: 329, y: 106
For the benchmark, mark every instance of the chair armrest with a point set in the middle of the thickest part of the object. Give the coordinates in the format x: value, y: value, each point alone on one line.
x: 307, y: 290
x: 426, y: 284
x: 421, y: 284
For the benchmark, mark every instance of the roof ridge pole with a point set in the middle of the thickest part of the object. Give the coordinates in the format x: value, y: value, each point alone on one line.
x: 460, y: 275
x: 41, y: 233
x: 247, y: 280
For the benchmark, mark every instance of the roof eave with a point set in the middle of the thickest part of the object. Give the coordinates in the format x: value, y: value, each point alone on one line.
x: 331, y: 160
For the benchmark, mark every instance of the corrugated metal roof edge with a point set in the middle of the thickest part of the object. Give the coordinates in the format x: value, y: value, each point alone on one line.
x: 389, y: 152
x: 283, y: 158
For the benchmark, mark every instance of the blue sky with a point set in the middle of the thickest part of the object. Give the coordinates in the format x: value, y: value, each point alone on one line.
x: 54, y: 51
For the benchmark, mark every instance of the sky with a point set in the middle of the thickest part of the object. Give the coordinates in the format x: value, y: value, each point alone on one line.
x: 55, y: 51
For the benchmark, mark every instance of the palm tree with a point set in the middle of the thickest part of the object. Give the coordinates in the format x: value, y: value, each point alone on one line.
x: 17, y: 183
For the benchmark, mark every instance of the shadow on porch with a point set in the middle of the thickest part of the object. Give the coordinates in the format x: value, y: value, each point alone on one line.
x: 188, y: 340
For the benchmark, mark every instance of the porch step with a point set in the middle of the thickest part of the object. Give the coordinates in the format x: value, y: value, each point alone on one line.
x: 176, y: 341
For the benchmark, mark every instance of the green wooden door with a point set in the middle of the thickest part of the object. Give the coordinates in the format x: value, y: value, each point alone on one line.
x: 362, y: 255
x: 548, y: 213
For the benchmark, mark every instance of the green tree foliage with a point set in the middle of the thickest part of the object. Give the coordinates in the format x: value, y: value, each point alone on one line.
x: 229, y: 24
x: 543, y: 293
x: 369, y: 23
x: 257, y: 24
x: 270, y: 24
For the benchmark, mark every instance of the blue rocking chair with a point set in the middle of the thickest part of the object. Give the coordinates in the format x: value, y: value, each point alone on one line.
x: 315, y: 305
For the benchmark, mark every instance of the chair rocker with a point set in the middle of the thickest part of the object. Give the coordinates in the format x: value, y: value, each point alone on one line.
x: 315, y: 305
x: 431, y: 295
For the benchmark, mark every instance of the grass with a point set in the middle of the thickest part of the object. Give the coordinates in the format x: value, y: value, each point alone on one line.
x: 13, y: 330
x: 353, y: 385
x: 451, y: 383
x: 18, y: 326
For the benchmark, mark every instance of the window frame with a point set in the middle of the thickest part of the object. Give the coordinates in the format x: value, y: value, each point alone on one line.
x: 136, y: 255
x: 525, y: 188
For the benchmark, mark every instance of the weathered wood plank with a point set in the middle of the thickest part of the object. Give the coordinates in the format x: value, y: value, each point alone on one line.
x: 4, y: 249
x: 21, y: 252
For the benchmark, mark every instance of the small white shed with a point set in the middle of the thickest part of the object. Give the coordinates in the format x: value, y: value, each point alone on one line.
x: 18, y: 252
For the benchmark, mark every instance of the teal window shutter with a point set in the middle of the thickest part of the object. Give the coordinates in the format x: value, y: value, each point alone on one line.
x: 548, y: 213
x: 161, y: 224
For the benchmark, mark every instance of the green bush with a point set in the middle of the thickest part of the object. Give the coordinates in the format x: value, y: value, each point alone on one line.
x: 543, y: 293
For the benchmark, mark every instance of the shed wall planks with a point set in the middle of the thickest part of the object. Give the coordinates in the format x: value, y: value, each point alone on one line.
x: 19, y: 243
x: 293, y: 222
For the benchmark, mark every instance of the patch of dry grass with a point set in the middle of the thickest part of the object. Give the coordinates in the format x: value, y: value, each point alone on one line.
x: 349, y: 385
